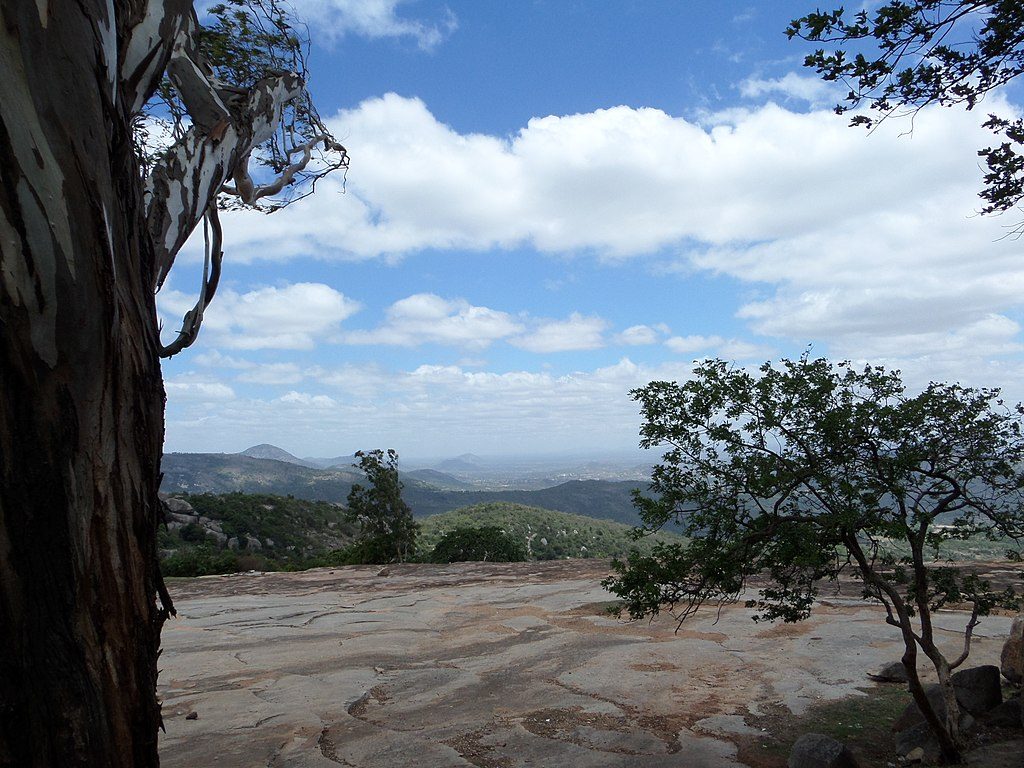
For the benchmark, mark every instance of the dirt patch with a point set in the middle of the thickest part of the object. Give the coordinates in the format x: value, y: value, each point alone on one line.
x: 663, y: 666
x: 378, y: 695
x: 472, y: 750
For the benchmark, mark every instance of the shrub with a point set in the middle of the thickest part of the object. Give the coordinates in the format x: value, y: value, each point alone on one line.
x: 489, y: 543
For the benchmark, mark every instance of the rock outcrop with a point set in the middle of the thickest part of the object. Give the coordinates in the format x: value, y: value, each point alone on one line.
x: 1011, y: 662
x: 815, y: 750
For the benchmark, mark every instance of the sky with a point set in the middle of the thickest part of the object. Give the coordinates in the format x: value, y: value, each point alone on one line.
x: 553, y: 202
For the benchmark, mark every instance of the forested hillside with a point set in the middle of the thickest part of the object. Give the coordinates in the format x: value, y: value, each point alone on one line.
x: 546, y: 534
x: 225, y: 473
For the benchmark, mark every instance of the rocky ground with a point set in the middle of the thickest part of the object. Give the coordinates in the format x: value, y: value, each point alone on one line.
x: 496, y: 666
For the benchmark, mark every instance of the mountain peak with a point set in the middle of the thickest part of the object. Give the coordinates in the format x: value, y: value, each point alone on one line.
x: 268, y: 451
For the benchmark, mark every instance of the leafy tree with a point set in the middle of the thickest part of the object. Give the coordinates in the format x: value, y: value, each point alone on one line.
x: 387, y: 532
x: 90, y: 224
x: 811, y: 470
x: 487, y: 543
x: 908, y: 54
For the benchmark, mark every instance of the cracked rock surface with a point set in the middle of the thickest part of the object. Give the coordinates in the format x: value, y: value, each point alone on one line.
x: 490, y: 665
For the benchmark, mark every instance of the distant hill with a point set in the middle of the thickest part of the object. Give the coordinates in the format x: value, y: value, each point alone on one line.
x: 437, y: 479
x: 547, y: 534
x: 325, y: 463
x: 268, y: 451
x: 224, y: 473
x: 229, y: 472
x: 467, y: 462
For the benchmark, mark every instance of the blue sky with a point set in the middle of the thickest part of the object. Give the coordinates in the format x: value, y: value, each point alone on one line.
x: 553, y: 202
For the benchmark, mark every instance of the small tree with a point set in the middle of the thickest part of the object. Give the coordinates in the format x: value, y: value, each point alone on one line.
x: 810, y: 470
x: 907, y: 54
x: 387, y: 532
x: 488, y: 543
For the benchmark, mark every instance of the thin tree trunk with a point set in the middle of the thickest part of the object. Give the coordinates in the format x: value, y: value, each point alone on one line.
x: 81, y: 401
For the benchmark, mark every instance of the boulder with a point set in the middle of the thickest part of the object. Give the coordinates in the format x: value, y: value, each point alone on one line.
x: 210, y: 525
x: 893, y: 672
x: 912, y: 716
x: 1011, y: 662
x: 233, y: 543
x: 919, y: 741
x: 978, y: 689
x: 1006, y: 715
x: 181, y: 518
x: 253, y: 544
x: 815, y: 750
x: 179, y: 505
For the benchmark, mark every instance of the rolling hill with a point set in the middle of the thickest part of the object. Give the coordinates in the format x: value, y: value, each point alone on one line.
x: 225, y: 473
x: 547, y: 535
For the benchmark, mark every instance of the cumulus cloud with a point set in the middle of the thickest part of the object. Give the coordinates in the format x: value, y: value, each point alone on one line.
x: 790, y: 86
x: 426, y: 317
x: 187, y: 390
x: 684, y: 345
x: 843, y: 236
x: 575, y: 333
x: 334, y: 19
x: 293, y: 316
x: 637, y: 335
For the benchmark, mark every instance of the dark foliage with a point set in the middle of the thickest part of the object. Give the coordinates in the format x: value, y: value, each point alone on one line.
x: 387, y: 532
x: 487, y: 543
x: 908, y: 54
x: 808, y: 470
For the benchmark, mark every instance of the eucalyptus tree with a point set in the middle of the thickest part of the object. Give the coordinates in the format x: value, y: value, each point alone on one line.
x: 807, y: 470
x: 387, y: 531
x: 91, y: 220
x: 899, y: 56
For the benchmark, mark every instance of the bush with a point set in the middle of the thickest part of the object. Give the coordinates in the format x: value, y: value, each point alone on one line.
x: 193, y: 532
x: 489, y: 543
x: 199, y: 561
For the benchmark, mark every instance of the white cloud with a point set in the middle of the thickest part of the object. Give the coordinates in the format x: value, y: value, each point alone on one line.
x: 575, y: 333
x: 684, y: 345
x: 432, y: 409
x: 428, y: 318
x: 791, y: 86
x: 306, y: 399
x: 333, y: 19
x: 637, y: 335
x: 293, y: 316
x: 842, y: 236
x: 205, y: 391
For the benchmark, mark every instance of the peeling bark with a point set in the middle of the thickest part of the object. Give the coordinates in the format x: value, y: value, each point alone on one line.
x: 84, y: 242
x: 81, y: 416
x: 191, y: 174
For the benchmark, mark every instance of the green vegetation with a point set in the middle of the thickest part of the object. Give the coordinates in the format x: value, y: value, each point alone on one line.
x: 264, y: 532
x: 487, y: 543
x: 862, y: 723
x: 225, y: 473
x: 810, y: 469
x: 545, y: 534
x: 387, y: 532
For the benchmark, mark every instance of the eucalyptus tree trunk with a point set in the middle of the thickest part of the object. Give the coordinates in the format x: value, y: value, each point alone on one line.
x: 84, y: 241
x: 81, y: 401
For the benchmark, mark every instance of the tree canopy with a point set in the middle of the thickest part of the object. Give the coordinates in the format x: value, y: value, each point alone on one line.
x: 908, y: 54
x: 485, y: 543
x: 806, y: 471
x: 387, y: 531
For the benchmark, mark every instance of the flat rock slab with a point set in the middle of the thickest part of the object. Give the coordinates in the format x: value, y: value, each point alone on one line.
x: 490, y: 665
